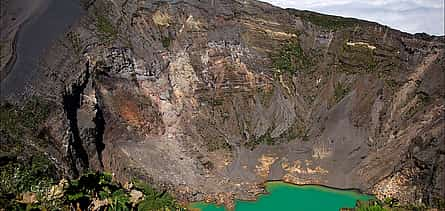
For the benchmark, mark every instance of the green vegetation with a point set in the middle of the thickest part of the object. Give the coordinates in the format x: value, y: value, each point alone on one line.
x: 297, y: 130
x: 106, y: 30
x: 291, y: 134
x: 357, y: 59
x: 93, y: 187
x: 16, y: 178
x: 290, y: 58
x: 388, y: 204
x: 22, y: 167
x: 340, y: 91
x: 166, y: 42
x: 424, y: 97
x: 15, y: 120
x: 371, y: 205
x: 265, y: 138
x: 154, y: 200
x: 439, y: 203
x: 28, y: 178
x: 363, y: 57
x: 100, y: 191
x: 217, y: 144
x: 328, y: 21
x: 371, y: 208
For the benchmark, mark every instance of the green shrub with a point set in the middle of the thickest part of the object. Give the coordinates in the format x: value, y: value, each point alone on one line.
x: 371, y: 208
x: 16, y: 120
x: 290, y: 58
x: 166, y: 42
x: 154, y: 200
x: 388, y: 204
x: 31, y: 171
x: 265, y: 138
x: 370, y: 205
x: 84, y: 190
x: 105, y: 28
x: 120, y: 200
x: 340, y: 92
x: 17, y: 177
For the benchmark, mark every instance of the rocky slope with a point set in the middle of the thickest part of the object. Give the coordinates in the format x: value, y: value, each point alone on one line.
x: 13, y: 16
x: 209, y: 99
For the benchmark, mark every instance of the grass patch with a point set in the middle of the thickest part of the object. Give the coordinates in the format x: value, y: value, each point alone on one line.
x: 105, y: 28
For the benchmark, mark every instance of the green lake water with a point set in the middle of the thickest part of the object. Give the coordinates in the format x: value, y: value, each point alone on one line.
x: 287, y: 197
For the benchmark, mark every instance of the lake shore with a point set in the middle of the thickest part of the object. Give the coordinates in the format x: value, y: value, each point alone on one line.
x: 276, y: 184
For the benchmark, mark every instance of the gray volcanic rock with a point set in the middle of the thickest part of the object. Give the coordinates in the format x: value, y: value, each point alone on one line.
x: 14, y: 15
x: 209, y: 99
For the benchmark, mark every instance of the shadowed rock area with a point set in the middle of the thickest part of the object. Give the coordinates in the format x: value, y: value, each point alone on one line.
x: 209, y: 99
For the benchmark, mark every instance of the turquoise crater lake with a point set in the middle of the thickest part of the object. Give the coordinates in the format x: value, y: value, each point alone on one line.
x: 287, y: 197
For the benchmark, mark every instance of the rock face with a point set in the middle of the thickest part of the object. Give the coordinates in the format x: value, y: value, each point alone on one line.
x: 212, y: 98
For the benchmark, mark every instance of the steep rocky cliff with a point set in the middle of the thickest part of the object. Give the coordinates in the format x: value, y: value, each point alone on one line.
x: 209, y: 99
